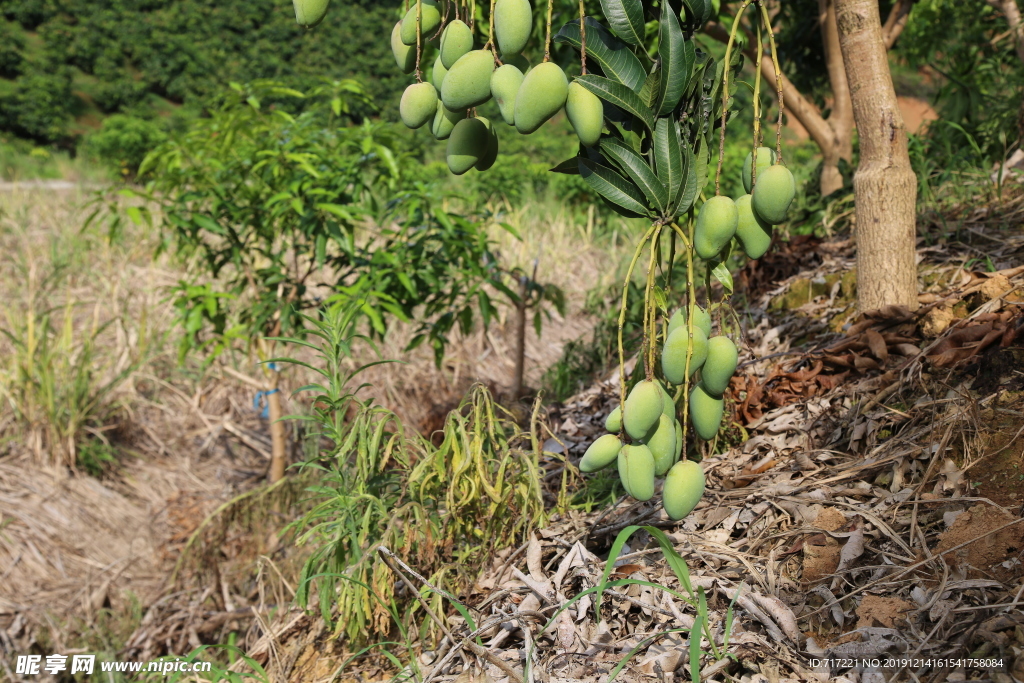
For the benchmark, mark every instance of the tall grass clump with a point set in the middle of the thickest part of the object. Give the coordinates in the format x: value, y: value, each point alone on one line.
x: 447, y: 509
x: 58, y: 369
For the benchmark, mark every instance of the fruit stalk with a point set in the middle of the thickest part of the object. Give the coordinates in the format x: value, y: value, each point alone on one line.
x: 778, y: 79
x: 491, y: 42
x: 649, y: 336
x: 547, y: 39
x: 725, y: 91
x: 757, y: 101
x: 622, y: 319
x: 583, y: 39
x: 688, y: 246
x: 419, y: 39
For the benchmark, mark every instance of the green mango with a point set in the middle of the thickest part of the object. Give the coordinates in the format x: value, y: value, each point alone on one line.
x: 437, y: 74
x: 662, y: 442
x: 513, y: 21
x: 705, y: 413
x: 701, y: 320
x: 716, y: 225
x: 418, y: 105
x: 309, y: 13
x: 405, y: 56
x: 669, y: 404
x: 613, y: 423
x: 765, y: 158
x: 720, y: 365
x: 491, y: 155
x: 456, y: 41
x: 430, y: 19
x: 601, y: 453
x: 636, y: 471
x: 586, y: 114
x: 644, y: 406
x: 468, y: 81
x: 445, y: 120
x: 679, y: 439
x: 754, y: 234
x: 684, y: 487
x: 673, y: 354
x: 505, y: 82
x: 773, y: 193
x: 467, y: 145
x: 541, y: 95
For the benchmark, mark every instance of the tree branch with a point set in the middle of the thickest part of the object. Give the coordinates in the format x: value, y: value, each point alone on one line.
x: 896, y: 21
x: 841, y: 118
x: 796, y: 104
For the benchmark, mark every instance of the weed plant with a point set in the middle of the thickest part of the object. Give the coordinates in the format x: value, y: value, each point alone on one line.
x: 56, y: 376
x: 450, y: 507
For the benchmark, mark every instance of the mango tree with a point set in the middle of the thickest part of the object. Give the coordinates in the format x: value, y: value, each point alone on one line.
x: 281, y: 214
x: 646, y: 123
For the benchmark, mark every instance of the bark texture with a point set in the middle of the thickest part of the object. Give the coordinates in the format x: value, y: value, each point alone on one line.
x: 279, y: 453
x: 884, y: 184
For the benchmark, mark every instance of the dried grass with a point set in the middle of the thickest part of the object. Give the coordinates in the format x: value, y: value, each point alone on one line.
x: 189, y: 440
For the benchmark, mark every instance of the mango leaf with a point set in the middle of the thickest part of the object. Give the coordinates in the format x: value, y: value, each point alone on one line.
x: 701, y: 164
x: 677, y: 56
x: 626, y: 19
x: 690, y: 184
x: 722, y: 274
x: 612, y: 186
x: 649, y: 91
x: 700, y: 11
x: 638, y: 170
x: 619, y: 95
x: 615, y: 59
x: 568, y: 167
x: 668, y: 158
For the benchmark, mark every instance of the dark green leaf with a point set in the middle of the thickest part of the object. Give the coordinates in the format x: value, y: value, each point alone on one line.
x: 568, y: 167
x: 668, y: 158
x: 612, y: 186
x: 677, y: 56
x: 649, y: 93
x: 701, y: 164
x: 626, y: 19
x: 638, y: 170
x: 690, y: 185
x: 700, y: 11
x: 615, y: 59
x: 619, y: 95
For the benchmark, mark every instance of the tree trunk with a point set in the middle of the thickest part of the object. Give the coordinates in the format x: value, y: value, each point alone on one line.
x: 841, y: 118
x: 884, y: 184
x: 279, y: 453
x: 517, y: 379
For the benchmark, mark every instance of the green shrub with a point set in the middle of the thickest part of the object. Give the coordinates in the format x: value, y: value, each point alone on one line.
x: 12, y: 44
x: 123, y: 141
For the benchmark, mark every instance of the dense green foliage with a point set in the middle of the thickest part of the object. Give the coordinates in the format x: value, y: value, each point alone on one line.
x: 981, y: 97
x: 285, y: 212
x: 64, y: 59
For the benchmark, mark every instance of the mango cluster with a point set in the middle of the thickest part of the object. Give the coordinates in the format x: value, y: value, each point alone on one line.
x: 653, y: 449
x: 465, y: 77
x: 769, y: 192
